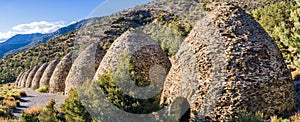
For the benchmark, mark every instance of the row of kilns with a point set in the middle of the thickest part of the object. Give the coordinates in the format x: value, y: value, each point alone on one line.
x: 65, y: 73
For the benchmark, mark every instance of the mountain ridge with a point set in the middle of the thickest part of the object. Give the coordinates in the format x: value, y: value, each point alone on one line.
x: 31, y: 40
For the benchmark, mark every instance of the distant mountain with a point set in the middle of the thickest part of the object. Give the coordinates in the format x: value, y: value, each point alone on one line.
x: 17, y: 41
x: 22, y: 38
x: 25, y: 41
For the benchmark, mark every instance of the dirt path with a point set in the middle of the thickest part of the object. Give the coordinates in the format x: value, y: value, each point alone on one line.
x: 35, y: 98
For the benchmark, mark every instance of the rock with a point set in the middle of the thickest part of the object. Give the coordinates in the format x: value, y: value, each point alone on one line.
x: 228, y: 63
x: 58, y: 78
x: 37, y: 77
x: 48, y: 73
x: 84, y: 67
x: 24, y: 78
x: 17, y: 82
x: 30, y: 76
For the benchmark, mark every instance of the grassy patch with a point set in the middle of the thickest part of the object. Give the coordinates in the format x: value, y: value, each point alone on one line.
x: 43, y: 89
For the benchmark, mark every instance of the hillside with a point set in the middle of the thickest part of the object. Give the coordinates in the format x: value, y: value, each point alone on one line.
x: 159, y: 19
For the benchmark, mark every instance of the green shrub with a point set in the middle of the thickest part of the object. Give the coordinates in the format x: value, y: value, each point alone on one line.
x: 43, y: 89
x: 281, y: 20
x: 73, y: 109
x: 119, y: 99
x: 49, y: 113
x: 168, y: 38
x: 275, y: 119
x: 5, y: 113
x: 250, y: 117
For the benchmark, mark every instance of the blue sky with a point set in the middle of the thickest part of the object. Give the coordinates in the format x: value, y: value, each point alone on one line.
x: 30, y: 16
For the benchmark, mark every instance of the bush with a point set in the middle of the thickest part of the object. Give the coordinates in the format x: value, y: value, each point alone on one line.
x: 49, y: 113
x: 73, y: 109
x: 31, y: 114
x: 296, y: 75
x: 281, y: 21
x: 275, y: 119
x: 295, y: 117
x: 15, y: 96
x: 250, y: 117
x: 168, y: 38
x: 5, y: 113
x: 22, y: 93
x: 118, y: 98
x: 43, y: 89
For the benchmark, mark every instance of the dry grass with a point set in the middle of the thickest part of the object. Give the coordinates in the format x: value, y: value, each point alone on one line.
x: 295, y: 117
x: 3, y: 119
x: 273, y: 118
x: 296, y: 75
x: 10, y: 104
x: 34, y: 110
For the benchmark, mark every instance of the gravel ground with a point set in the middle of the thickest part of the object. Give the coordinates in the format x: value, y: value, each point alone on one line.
x: 35, y: 98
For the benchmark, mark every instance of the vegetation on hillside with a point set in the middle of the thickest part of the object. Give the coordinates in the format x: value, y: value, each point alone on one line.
x: 282, y: 21
x: 12, y: 65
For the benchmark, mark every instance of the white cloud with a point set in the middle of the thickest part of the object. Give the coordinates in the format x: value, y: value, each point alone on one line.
x: 34, y: 27
x: 6, y: 35
x: 39, y: 27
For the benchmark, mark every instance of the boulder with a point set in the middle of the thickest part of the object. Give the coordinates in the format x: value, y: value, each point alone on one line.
x: 228, y: 63
x: 84, y: 67
x: 48, y: 73
x: 58, y: 78
x: 30, y: 76
x: 37, y: 77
